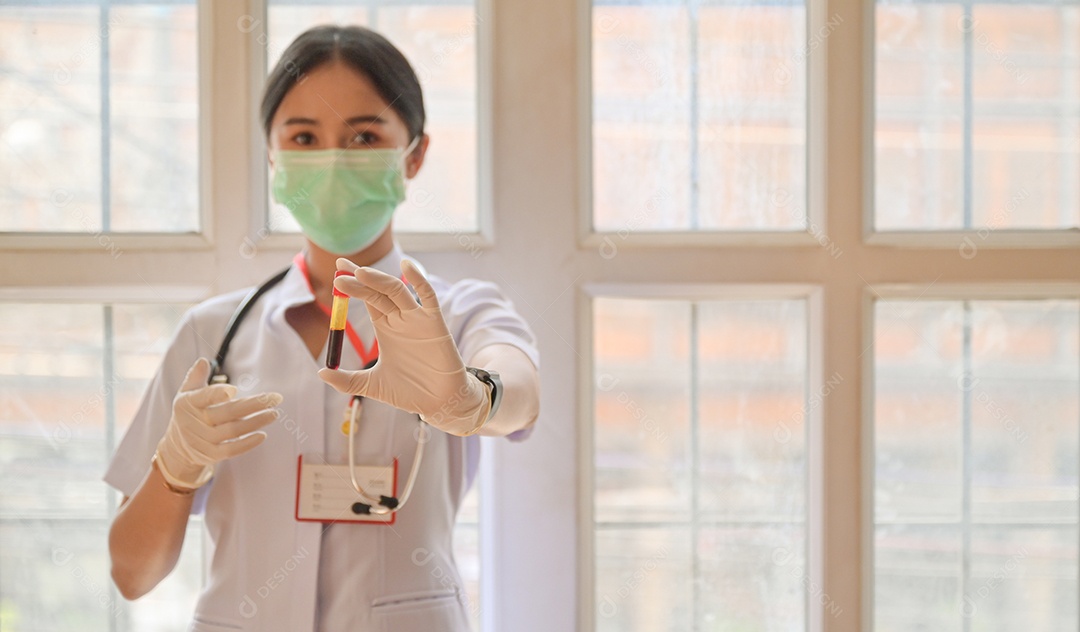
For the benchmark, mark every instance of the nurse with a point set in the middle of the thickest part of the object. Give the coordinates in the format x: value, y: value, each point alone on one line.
x: 344, y: 119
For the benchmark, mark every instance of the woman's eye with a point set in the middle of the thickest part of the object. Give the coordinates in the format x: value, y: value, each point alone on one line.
x: 364, y: 138
x: 303, y: 138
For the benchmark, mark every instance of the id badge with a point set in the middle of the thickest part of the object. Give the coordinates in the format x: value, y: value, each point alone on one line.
x: 325, y: 493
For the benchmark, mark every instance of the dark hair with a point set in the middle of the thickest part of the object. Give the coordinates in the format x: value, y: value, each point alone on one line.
x: 361, y: 49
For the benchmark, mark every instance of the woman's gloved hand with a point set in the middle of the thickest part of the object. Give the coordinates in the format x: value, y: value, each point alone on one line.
x: 419, y: 368
x: 209, y: 426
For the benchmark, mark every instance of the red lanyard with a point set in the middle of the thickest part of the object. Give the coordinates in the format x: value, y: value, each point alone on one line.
x: 366, y: 356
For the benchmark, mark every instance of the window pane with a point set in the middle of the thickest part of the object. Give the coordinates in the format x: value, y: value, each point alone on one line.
x: 917, y: 578
x: 976, y: 455
x: 981, y: 108
x: 50, y: 104
x: 916, y: 412
x: 62, y: 390
x: 700, y: 463
x: 752, y: 401
x: 644, y: 580
x: 440, y: 43
x: 56, y: 575
x: 99, y: 118
x: 141, y: 336
x: 154, y: 121
x: 53, y: 411
x: 642, y: 430
x: 699, y: 116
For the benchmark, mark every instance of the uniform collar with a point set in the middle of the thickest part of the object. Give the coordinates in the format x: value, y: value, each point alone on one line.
x: 295, y: 290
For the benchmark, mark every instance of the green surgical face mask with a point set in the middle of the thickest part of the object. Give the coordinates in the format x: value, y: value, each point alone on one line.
x: 342, y: 199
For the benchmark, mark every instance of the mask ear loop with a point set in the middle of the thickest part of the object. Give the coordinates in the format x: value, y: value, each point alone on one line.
x: 409, y: 149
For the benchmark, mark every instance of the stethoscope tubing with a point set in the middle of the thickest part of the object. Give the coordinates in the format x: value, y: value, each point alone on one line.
x: 385, y: 504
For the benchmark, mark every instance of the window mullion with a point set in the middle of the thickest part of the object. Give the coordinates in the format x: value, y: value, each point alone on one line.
x: 695, y: 116
x: 695, y: 468
x: 1068, y: 137
x: 966, y: 460
x: 969, y: 115
x: 106, y: 116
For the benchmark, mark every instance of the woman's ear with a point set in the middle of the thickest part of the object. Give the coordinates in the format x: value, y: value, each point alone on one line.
x: 415, y: 160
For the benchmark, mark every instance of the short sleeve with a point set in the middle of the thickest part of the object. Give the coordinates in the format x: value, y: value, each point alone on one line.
x: 480, y: 315
x: 131, y: 461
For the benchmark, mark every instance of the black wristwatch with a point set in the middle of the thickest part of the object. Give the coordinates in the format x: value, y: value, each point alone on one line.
x: 491, y: 378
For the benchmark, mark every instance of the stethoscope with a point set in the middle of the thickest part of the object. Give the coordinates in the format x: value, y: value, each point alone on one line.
x: 381, y: 506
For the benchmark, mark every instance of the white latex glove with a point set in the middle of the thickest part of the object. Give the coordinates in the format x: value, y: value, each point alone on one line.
x: 419, y: 368
x: 209, y: 426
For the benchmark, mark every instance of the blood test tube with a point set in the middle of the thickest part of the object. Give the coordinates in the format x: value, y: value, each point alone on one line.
x: 339, y: 313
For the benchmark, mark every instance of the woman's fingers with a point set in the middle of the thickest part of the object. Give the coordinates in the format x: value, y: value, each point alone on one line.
x: 206, y: 396
x: 351, y: 286
x: 379, y: 302
x: 239, y: 408
x: 373, y: 298
x: 346, y: 265
x: 387, y: 285
x: 349, y: 382
x: 229, y: 449
x: 232, y: 429
x: 196, y: 376
x: 390, y: 286
x: 420, y: 284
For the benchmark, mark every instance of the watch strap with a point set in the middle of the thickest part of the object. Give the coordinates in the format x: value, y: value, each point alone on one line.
x: 493, y: 381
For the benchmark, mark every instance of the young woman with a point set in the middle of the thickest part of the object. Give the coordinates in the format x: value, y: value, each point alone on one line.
x: 293, y: 544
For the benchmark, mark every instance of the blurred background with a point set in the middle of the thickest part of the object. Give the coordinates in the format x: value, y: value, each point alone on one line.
x: 700, y: 410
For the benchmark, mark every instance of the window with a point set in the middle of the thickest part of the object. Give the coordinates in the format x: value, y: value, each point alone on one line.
x: 701, y: 408
x: 978, y: 102
x: 834, y: 175
x: 699, y: 116
x: 976, y: 438
x: 68, y: 391
x: 99, y: 118
x: 974, y: 519
x: 700, y: 463
x: 123, y: 184
x: 99, y: 151
x: 972, y: 173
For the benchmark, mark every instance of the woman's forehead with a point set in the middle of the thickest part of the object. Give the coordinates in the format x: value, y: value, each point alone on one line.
x: 336, y: 94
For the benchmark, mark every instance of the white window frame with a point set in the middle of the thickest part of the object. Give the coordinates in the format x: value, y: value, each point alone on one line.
x: 840, y: 144
x: 200, y: 240
x: 218, y: 38
x: 100, y: 296
x: 1035, y: 239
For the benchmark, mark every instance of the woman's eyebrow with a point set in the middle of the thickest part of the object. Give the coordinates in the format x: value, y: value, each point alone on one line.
x: 356, y: 120
x: 366, y: 119
x: 299, y: 120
